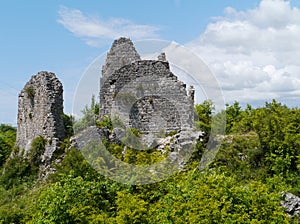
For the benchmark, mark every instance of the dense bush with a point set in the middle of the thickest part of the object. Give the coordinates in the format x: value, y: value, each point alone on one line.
x: 73, y: 200
x: 23, y: 169
x: 7, y: 142
x: 16, y: 171
x: 68, y: 121
x: 268, y: 138
x: 37, y: 149
x: 258, y: 159
x: 190, y: 197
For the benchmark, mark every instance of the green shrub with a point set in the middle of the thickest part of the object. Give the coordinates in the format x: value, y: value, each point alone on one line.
x: 16, y: 171
x: 30, y: 92
x: 68, y: 121
x: 7, y: 142
x: 74, y: 163
x: 37, y: 149
x: 74, y: 200
x: 105, y: 122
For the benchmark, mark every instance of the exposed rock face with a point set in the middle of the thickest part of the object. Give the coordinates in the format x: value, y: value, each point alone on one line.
x: 180, y: 144
x: 40, y: 109
x: 145, y: 94
x: 87, y: 136
x: 291, y: 204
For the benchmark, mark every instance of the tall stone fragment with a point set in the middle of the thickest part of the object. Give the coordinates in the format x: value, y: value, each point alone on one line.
x: 40, y: 109
x: 121, y: 53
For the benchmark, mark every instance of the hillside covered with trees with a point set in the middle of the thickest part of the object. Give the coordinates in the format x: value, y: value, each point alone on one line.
x: 259, y: 158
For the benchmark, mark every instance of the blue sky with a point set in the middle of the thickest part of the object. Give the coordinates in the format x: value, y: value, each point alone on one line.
x: 251, y: 46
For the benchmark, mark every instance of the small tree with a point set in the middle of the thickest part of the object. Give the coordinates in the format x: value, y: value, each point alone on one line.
x: 90, y: 114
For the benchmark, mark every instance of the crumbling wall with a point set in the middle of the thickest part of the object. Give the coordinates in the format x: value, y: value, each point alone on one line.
x: 121, y: 53
x: 40, y: 109
x: 145, y: 94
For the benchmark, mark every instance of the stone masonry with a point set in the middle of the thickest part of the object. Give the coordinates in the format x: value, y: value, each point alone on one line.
x: 40, y: 107
x: 145, y: 94
x: 121, y: 53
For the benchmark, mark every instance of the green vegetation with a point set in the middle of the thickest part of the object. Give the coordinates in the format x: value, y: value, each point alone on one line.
x: 268, y: 140
x: 68, y: 121
x: 258, y: 159
x: 7, y: 142
x: 203, y: 116
x: 19, y: 170
x: 89, y: 119
x: 37, y: 148
x: 30, y: 92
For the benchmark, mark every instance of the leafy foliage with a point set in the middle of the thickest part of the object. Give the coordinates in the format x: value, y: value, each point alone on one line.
x: 74, y: 164
x: 73, y: 200
x: 68, y: 121
x: 203, y: 116
x: 265, y: 141
x: 89, y: 116
x: 37, y: 149
x: 7, y: 142
x: 258, y: 159
x: 216, y: 198
x: 30, y: 92
x: 18, y: 169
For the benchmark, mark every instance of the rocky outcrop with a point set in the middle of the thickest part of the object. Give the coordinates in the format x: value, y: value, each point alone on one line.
x: 40, y: 110
x: 87, y: 136
x: 181, y: 145
x: 291, y: 204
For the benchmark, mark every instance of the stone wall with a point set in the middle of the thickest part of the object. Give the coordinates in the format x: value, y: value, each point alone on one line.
x: 145, y: 94
x: 40, y: 107
x: 121, y: 53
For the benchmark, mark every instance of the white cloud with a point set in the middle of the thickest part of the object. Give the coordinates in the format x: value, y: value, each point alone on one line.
x: 94, y: 29
x: 255, y: 53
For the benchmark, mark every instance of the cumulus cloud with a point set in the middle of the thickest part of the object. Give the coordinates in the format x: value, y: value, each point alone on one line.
x: 255, y: 53
x: 94, y: 29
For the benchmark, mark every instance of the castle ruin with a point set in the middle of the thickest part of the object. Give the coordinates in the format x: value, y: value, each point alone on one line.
x: 145, y: 94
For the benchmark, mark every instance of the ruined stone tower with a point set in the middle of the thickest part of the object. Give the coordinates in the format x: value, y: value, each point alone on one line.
x: 145, y: 94
x: 121, y: 53
x: 40, y: 109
